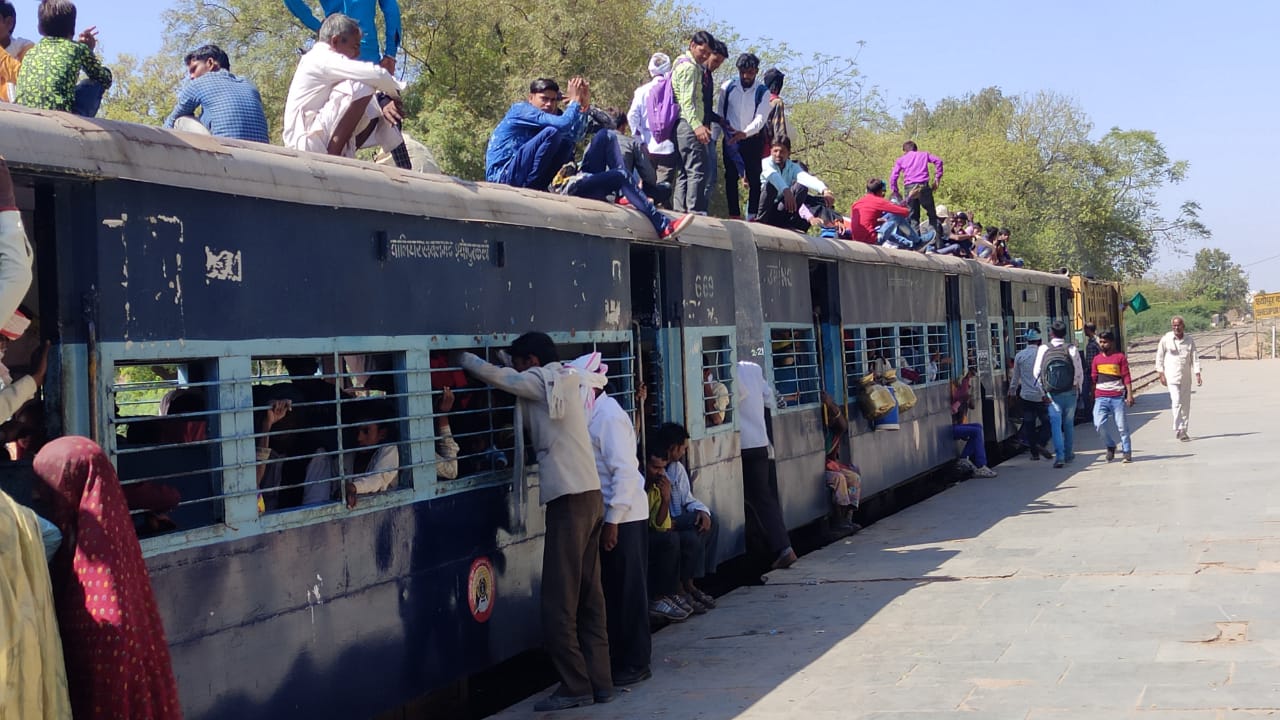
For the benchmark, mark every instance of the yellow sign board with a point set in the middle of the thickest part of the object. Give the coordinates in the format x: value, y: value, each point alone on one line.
x: 1266, y: 305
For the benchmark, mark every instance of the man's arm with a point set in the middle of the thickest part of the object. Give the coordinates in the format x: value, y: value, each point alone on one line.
x: 526, y: 114
x: 1035, y: 369
x: 893, y: 177
x: 526, y: 385
x: 813, y: 182
x: 882, y: 205
x: 188, y: 101
x: 93, y: 67
x: 618, y: 450
x: 1160, y: 356
x: 1016, y: 382
x: 937, y: 164
x: 771, y: 175
x: 635, y: 114
x: 1126, y: 378
x: 1195, y: 357
x: 304, y: 13
x: 383, y: 474
x: 344, y: 68
x: 391, y: 21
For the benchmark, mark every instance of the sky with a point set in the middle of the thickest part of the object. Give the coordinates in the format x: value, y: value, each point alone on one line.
x: 1201, y: 75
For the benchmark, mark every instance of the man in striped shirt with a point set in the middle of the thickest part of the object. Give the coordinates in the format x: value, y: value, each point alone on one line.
x: 229, y: 106
x: 1112, y: 392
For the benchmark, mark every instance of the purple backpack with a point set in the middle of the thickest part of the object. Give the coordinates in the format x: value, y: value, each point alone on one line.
x: 662, y: 112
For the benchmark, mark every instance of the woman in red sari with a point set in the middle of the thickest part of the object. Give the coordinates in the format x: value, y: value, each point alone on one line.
x: 117, y: 658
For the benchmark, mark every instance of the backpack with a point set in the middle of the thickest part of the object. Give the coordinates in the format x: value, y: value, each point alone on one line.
x: 661, y: 110
x: 1057, y: 371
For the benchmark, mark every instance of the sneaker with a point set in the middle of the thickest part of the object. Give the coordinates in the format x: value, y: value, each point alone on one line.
x: 1046, y: 453
x: 706, y: 600
x: 984, y: 472
x: 1111, y: 454
x: 688, y: 600
x: 556, y: 701
x: 664, y: 609
x: 785, y: 559
x: 675, y: 228
x: 681, y: 602
x: 1057, y: 463
x: 1128, y: 458
x: 623, y: 201
x: 1071, y: 457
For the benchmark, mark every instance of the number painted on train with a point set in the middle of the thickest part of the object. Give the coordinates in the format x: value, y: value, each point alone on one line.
x: 704, y: 287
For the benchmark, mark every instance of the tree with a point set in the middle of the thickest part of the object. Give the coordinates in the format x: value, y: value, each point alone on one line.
x: 1214, y: 277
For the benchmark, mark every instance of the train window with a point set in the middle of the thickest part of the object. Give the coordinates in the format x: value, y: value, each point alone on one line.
x: 882, y: 348
x: 855, y: 364
x: 997, y: 347
x: 166, y: 446
x: 717, y: 380
x: 937, y: 342
x: 1020, y: 329
x: 474, y: 438
x: 329, y: 429
x: 795, y: 366
x: 970, y: 345
x: 912, y: 353
x: 621, y: 371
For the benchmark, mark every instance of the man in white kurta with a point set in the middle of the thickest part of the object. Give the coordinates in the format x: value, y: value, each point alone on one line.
x: 1176, y: 361
x: 331, y: 86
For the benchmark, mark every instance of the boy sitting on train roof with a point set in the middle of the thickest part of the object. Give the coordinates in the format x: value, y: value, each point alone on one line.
x: 535, y: 139
x: 229, y: 106
x: 790, y: 196
x: 331, y: 106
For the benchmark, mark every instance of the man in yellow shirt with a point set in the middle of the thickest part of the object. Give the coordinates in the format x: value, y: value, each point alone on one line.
x: 8, y: 75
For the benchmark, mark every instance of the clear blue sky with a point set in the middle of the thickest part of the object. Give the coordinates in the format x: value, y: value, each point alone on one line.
x: 1200, y: 74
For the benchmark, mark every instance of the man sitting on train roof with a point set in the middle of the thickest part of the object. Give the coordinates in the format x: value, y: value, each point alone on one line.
x: 871, y: 211
x: 534, y: 140
x: 331, y: 108
x: 786, y: 188
x: 229, y: 106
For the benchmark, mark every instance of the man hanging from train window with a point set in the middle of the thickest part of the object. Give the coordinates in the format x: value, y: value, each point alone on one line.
x: 331, y: 107
x: 229, y: 106
x: 573, y: 609
x: 363, y: 12
x: 535, y: 139
x: 790, y: 196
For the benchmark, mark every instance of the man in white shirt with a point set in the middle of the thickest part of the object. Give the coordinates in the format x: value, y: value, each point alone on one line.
x: 624, y: 539
x: 765, y: 526
x: 331, y: 106
x: 792, y: 198
x: 1176, y: 361
x: 573, y: 610
x: 1035, y: 406
x: 666, y: 161
x: 1060, y: 375
x: 744, y: 104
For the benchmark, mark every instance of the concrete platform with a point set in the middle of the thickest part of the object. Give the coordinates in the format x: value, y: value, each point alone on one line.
x: 1149, y: 590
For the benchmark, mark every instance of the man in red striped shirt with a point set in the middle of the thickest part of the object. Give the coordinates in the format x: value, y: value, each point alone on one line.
x: 1113, y: 391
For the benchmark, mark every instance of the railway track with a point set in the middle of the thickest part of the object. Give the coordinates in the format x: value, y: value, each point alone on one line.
x: 1219, y: 344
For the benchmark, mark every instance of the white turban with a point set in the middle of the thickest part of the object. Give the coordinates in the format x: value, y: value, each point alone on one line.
x: 659, y: 64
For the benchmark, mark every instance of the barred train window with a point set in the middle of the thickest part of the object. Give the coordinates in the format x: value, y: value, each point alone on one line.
x: 936, y: 337
x: 997, y: 347
x: 165, y: 443
x: 1020, y: 329
x: 912, y: 351
x: 795, y: 366
x: 855, y: 364
x: 717, y: 380
x: 474, y: 437
x: 970, y: 346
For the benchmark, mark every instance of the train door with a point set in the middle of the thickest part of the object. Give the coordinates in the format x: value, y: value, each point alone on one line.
x: 824, y: 288
x: 657, y: 335
x: 955, y: 326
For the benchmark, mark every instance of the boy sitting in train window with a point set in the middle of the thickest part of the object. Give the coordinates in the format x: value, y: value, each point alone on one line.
x: 375, y: 466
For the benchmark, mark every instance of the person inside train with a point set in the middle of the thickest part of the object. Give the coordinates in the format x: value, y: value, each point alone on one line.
x: 229, y: 106
x: 375, y: 466
x: 975, y: 448
x: 50, y: 69
x: 331, y: 106
x: 691, y: 520
x: 113, y: 640
x: 791, y: 197
x: 664, y: 545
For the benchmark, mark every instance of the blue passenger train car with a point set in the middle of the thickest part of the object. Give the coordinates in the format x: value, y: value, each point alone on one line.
x: 190, y: 284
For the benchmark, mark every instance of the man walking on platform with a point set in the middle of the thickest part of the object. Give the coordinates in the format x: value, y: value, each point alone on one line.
x: 1060, y: 375
x: 1035, y: 409
x: 1113, y: 391
x: 1176, y: 360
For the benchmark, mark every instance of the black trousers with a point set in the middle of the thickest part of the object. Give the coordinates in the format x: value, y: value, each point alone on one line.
x: 772, y: 214
x: 765, y: 527
x: 752, y: 150
x: 1035, y: 412
x: 623, y: 572
x: 664, y: 562
x: 573, y: 613
x: 925, y: 200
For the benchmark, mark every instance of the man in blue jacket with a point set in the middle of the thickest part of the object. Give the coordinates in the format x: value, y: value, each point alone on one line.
x: 363, y: 12
x: 534, y: 139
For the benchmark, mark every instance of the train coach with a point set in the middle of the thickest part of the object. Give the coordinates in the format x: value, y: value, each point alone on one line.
x: 189, y: 283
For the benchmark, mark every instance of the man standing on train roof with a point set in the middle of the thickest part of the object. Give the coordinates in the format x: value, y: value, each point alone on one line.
x: 573, y: 608
x: 1035, y: 408
x: 1176, y: 360
x: 913, y: 168
x: 534, y: 139
x: 331, y: 107
x: 1060, y: 374
x: 363, y: 12
x: 229, y: 106
x: 745, y: 106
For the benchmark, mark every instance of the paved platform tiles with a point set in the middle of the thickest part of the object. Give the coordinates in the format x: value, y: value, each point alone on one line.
x: 1149, y: 590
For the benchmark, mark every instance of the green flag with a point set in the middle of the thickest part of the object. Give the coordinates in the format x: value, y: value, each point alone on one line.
x: 1138, y: 303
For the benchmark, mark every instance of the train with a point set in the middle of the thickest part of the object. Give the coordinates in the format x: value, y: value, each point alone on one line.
x: 188, y: 282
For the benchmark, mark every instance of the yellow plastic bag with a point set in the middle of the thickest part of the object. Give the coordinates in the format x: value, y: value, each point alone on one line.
x: 906, y: 396
x: 874, y: 399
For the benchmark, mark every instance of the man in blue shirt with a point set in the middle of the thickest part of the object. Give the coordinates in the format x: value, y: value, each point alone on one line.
x: 230, y: 106
x: 363, y: 12
x: 535, y: 140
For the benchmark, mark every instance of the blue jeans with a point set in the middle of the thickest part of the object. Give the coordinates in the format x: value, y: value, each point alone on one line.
x: 1062, y: 415
x: 975, y: 447
x: 537, y: 161
x: 1111, y: 407
x: 899, y: 232
x: 88, y: 98
x: 605, y: 173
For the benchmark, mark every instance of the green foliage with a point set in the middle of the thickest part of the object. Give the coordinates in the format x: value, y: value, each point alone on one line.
x: 1215, y: 278
x: 1197, y: 314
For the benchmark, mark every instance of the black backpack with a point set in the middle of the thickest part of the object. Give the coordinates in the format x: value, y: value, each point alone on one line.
x: 1057, y: 371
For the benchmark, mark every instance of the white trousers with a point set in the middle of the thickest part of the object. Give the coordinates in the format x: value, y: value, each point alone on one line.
x: 1180, y: 402
x: 321, y: 124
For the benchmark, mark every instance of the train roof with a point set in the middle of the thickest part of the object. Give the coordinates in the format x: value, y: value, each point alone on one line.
x: 91, y: 148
